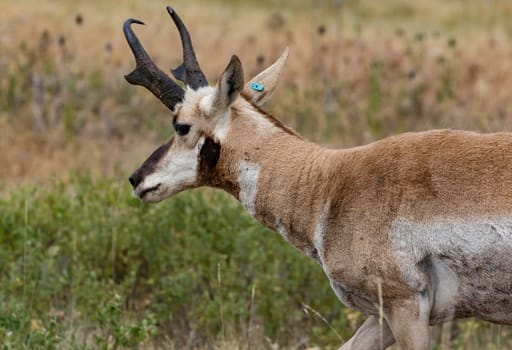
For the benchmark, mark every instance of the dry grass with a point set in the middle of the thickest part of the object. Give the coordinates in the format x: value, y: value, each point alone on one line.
x: 357, y: 72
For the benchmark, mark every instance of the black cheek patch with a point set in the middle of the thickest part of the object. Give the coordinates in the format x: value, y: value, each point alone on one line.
x: 209, y: 154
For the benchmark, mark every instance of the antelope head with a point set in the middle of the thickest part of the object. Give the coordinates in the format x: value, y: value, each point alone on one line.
x: 202, y: 116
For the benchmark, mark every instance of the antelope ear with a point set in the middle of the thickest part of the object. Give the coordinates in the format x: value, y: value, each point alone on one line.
x: 261, y: 87
x: 229, y: 86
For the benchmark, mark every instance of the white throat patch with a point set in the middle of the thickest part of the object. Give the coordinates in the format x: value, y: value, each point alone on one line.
x: 248, y: 176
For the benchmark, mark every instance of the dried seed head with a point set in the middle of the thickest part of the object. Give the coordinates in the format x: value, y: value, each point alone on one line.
x: 321, y: 29
x: 79, y: 19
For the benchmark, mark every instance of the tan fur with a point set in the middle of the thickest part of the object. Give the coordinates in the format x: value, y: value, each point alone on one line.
x: 346, y: 209
x: 415, y: 175
x: 439, y: 173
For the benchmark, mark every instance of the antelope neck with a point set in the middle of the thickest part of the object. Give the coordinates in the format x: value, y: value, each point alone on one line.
x: 287, y: 186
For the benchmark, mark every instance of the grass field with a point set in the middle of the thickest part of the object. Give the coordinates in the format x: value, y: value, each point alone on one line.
x: 88, y: 265
x: 85, y: 265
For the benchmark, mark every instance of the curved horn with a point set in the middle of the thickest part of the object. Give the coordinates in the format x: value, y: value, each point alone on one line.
x: 189, y: 71
x: 147, y: 74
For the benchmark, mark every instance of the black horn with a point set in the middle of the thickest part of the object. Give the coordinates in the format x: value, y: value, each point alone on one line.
x: 189, y: 71
x: 147, y: 74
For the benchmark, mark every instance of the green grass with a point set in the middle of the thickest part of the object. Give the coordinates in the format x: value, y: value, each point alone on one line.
x: 85, y: 264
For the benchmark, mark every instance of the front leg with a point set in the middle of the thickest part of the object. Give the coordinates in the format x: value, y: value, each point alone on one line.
x: 409, y: 322
x: 368, y: 336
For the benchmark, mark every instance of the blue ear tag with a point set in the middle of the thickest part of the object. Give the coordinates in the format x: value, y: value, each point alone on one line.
x: 257, y: 87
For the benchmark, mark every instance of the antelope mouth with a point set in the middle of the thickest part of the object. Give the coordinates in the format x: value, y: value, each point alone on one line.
x: 143, y: 193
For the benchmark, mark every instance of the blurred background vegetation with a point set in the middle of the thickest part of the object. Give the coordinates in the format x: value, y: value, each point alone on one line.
x: 85, y: 265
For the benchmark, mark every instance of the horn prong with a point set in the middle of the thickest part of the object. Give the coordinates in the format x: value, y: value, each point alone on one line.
x: 189, y: 71
x: 147, y: 74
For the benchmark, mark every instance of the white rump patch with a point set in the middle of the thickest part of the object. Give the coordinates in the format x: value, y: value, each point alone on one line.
x: 248, y: 176
x: 320, y: 228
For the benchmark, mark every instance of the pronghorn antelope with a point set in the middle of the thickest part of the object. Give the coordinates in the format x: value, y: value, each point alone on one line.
x: 421, y: 221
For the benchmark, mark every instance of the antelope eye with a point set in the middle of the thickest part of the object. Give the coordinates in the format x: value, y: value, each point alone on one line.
x: 181, y: 129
